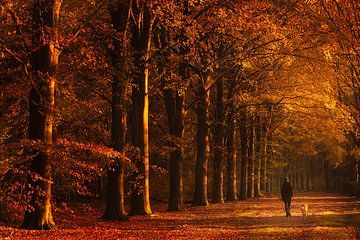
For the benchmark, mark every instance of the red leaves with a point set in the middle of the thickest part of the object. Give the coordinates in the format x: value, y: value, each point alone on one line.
x: 252, y: 219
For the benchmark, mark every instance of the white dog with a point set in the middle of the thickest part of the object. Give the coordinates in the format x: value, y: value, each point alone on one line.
x: 304, y: 209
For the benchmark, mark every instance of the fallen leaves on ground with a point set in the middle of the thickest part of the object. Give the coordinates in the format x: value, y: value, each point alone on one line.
x: 330, y: 217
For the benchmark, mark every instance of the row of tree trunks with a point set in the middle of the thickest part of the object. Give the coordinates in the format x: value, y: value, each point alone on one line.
x: 254, y: 141
x: 45, y: 63
x: 254, y: 153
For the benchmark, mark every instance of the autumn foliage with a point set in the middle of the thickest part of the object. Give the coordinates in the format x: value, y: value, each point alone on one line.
x: 124, y: 102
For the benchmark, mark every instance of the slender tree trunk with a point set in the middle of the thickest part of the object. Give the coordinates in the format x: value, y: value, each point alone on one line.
x: 303, y: 181
x: 175, y: 112
x: 357, y: 193
x: 244, y: 158
x: 296, y: 177
x: 258, y: 159
x: 307, y: 172
x: 251, y: 158
x: 100, y: 187
x: 270, y: 173
x: 231, y: 194
x: 141, y: 42
x: 326, y: 174
x: 218, y: 187
x: 41, y: 113
x: 202, y: 143
x: 264, y: 160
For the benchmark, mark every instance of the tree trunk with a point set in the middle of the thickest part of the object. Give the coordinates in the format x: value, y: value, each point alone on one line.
x: 357, y: 186
x: 264, y: 160
x: 141, y: 42
x: 270, y: 173
x: 41, y: 113
x: 100, y: 187
x: 115, y: 209
x: 202, y: 143
x: 218, y: 187
x: 231, y: 194
x: 326, y: 174
x: 175, y: 112
x: 251, y: 158
x: 302, y: 182
x: 258, y: 157
x: 244, y: 158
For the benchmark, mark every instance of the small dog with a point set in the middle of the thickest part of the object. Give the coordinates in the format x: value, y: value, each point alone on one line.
x: 304, y: 210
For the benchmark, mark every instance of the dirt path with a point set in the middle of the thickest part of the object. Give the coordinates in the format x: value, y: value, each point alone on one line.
x: 330, y: 217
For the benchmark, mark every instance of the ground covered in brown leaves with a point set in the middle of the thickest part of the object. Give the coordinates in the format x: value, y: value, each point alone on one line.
x: 330, y: 217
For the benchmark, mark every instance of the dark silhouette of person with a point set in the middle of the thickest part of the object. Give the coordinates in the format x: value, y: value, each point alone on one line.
x: 286, y: 195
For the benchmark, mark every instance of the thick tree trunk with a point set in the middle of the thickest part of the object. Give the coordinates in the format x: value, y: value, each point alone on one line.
x: 218, y: 187
x: 41, y: 114
x: 251, y: 158
x: 141, y: 42
x: 202, y: 143
x: 231, y: 194
x: 115, y: 209
x: 175, y: 112
x: 244, y: 158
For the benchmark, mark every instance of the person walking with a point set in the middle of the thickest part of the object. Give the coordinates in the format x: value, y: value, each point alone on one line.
x: 286, y: 195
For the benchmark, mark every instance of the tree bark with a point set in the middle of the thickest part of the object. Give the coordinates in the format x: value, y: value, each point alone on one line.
x: 115, y: 209
x: 270, y: 173
x: 326, y: 174
x: 45, y: 61
x: 218, y: 187
x: 251, y: 158
x: 258, y: 153
x: 264, y: 161
x: 174, y: 103
x: 231, y: 194
x: 202, y: 143
x: 141, y: 43
x: 244, y: 157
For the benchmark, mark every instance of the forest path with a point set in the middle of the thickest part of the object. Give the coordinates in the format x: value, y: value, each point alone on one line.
x: 330, y: 217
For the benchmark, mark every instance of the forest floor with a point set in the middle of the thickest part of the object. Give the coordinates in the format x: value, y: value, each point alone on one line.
x: 330, y: 217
